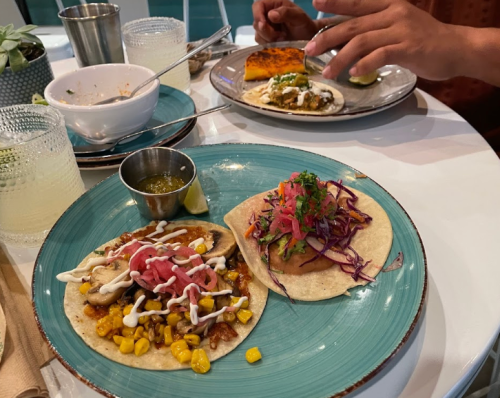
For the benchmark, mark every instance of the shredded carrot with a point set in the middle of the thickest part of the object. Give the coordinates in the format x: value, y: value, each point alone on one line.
x: 249, y: 231
x: 355, y: 215
x: 292, y: 243
x: 281, y: 193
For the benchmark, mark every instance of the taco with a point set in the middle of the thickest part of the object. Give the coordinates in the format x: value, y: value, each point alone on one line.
x: 168, y: 296
x: 312, y: 240
x: 296, y: 93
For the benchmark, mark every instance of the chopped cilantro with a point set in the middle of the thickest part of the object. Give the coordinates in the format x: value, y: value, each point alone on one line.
x: 264, y: 259
x: 70, y: 92
x: 99, y: 252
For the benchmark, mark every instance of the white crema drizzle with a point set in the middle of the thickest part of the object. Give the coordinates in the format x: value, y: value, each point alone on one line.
x: 159, y: 229
x: 68, y: 277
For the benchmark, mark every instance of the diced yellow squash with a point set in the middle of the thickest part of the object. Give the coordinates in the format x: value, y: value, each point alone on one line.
x: 173, y: 318
x: 84, y: 288
x: 168, y: 338
x: 127, y: 331
x: 152, y: 305
x: 127, y: 345
x: 232, y: 275
x: 244, y: 315
x: 141, y: 346
x: 201, y: 249
x: 192, y: 339
x: 118, y: 339
x: 138, y: 332
x: 234, y: 301
x: 206, y: 304
x: 184, y: 356
x: 128, y: 309
x: 253, y: 355
x: 104, y: 326
x: 199, y: 361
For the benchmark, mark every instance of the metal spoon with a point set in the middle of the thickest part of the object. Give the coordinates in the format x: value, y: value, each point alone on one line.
x: 94, y: 148
x: 224, y: 31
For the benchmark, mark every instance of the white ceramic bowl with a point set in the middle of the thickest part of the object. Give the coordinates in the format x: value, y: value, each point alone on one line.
x: 73, y: 93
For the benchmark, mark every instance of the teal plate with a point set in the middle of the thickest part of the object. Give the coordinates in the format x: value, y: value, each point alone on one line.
x: 172, y: 104
x: 314, y: 349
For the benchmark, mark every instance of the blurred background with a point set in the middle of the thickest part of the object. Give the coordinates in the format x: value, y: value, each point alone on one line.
x: 204, y: 15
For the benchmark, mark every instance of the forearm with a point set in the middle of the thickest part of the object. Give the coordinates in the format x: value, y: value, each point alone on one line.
x: 479, y: 55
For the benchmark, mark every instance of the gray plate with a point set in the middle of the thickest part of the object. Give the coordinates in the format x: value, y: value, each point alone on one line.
x: 393, y: 86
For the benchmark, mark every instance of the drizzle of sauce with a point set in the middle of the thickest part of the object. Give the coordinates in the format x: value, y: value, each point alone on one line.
x: 67, y: 277
x: 160, y: 228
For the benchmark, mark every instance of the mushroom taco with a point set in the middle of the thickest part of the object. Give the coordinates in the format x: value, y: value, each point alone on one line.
x: 312, y: 240
x: 167, y: 296
x: 296, y: 93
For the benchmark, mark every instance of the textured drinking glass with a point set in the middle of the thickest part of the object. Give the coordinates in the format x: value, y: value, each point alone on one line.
x: 156, y: 43
x: 39, y: 177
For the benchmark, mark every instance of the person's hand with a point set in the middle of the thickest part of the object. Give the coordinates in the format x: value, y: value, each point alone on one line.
x: 387, y: 32
x: 279, y: 20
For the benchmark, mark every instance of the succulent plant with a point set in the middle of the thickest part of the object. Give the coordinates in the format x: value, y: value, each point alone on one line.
x: 18, y: 47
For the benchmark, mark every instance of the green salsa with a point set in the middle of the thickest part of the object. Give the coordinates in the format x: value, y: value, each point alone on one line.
x: 162, y: 183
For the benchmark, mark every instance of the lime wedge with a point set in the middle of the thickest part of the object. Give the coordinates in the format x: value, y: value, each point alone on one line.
x: 364, y: 80
x: 195, y: 202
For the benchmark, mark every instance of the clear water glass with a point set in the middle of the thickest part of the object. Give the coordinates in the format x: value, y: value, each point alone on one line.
x: 39, y: 176
x: 156, y: 43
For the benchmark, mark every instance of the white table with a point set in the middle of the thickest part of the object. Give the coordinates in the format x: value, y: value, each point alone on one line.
x: 447, y: 178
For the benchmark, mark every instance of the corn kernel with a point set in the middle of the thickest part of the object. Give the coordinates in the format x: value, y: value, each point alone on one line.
x: 253, y: 355
x: 229, y: 317
x: 173, y: 318
x: 104, y: 326
x: 159, y: 332
x: 192, y: 339
x: 141, y: 347
x: 117, y: 322
x: 184, y: 356
x: 178, y: 346
x: 187, y: 315
x: 244, y: 315
x: 199, y: 361
x: 234, y: 301
x: 118, y: 339
x: 145, y: 335
x: 143, y: 319
x: 128, y: 332
x: 152, y: 305
x: 232, y: 275
x: 128, y: 309
x: 222, y: 271
x: 167, y: 335
x: 126, y: 256
x: 127, y: 345
x: 84, y: 288
x: 201, y: 249
x: 115, y: 310
x: 146, y: 325
x: 206, y: 304
x: 138, y: 332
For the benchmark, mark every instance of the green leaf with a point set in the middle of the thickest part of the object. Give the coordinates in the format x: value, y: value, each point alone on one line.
x: 17, y: 60
x: 9, y: 28
x: 9, y: 45
x: 31, y: 38
x: 3, y: 61
x: 14, y: 36
x: 27, y: 28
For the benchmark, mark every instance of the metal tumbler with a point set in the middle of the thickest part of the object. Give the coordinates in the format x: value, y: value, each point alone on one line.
x: 94, y: 31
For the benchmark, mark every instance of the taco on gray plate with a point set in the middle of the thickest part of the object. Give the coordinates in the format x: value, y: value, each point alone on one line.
x: 296, y: 93
x: 312, y: 240
x: 168, y: 296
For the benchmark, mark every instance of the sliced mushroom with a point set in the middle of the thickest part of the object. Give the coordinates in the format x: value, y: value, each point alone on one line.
x: 102, y: 276
x: 219, y: 240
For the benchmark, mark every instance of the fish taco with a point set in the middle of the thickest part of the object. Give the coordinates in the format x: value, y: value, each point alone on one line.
x: 168, y: 296
x: 296, y: 93
x: 312, y: 240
